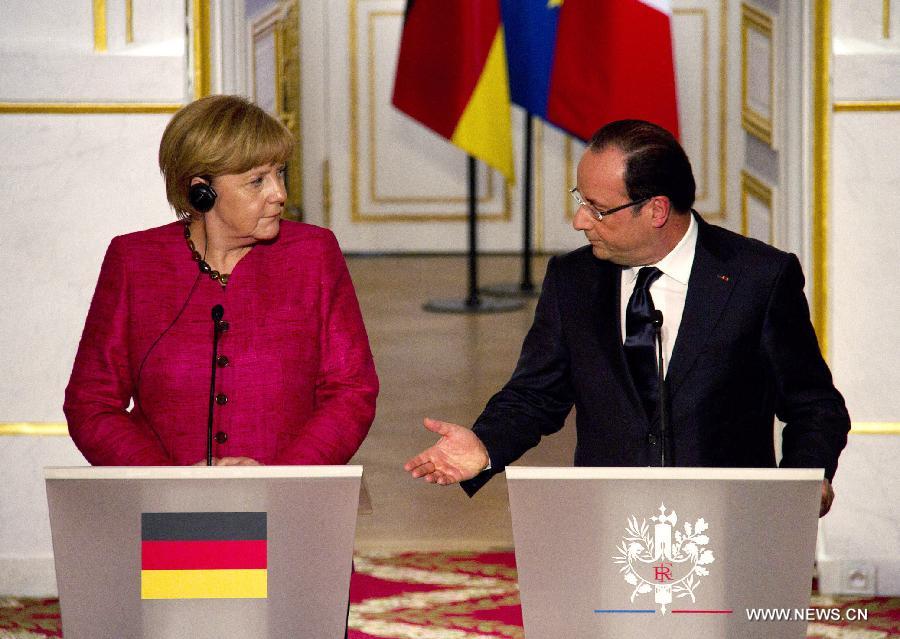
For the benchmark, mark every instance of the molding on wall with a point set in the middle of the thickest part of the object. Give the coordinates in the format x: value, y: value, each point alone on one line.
x: 757, y: 124
x: 129, y: 21
x: 821, y: 167
x: 866, y: 105
x: 752, y: 186
x: 100, y: 36
x: 54, y: 429
x: 88, y: 107
x: 886, y: 19
x: 200, y: 48
x: 875, y: 428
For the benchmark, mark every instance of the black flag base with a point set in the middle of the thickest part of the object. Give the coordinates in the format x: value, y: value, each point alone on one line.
x: 512, y: 290
x: 481, y: 305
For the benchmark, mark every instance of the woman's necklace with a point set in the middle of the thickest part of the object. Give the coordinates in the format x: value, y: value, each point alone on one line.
x: 222, y: 278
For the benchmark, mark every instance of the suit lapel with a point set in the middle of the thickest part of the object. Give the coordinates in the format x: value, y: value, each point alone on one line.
x: 602, y: 330
x: 709, y: 287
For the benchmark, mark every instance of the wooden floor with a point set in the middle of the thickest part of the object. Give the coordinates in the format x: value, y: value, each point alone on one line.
x: 444, y: 366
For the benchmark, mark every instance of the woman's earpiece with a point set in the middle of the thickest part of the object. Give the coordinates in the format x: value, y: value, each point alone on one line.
x: 202, y: 197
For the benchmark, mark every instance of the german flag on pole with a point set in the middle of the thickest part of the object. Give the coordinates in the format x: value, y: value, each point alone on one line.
x: 452, y: 77
x: 203, y: 556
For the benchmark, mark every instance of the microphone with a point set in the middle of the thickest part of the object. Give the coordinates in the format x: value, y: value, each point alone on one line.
x: 217, y: 313
x: 666, y: 457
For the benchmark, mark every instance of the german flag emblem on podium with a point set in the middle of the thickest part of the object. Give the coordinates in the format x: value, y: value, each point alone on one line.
x: 203, y: 556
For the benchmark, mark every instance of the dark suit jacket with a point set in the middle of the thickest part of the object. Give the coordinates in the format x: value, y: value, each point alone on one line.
x: 746, y: 351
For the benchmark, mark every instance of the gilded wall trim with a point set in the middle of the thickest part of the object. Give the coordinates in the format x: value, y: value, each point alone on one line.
x: 821, y: 167
x: 53, y: 429
x: 723, y: 114
x: 537, y: 183
x: 129, y: 21
x: 751, y: 186
x: 282, y: 24
x: 885, y: 19
x: 88, y: 107
x: 866, y: 105
x: 200, y: 44
x: 759, y: 125
x: 289, y: 107
x: 100, y: 35
x: 875, y: 428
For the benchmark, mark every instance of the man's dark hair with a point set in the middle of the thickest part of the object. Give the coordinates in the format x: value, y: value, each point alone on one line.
x: 655, y: 164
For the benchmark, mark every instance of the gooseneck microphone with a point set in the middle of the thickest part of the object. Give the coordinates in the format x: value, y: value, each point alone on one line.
x: 666, y: 457
x: 217, y: 313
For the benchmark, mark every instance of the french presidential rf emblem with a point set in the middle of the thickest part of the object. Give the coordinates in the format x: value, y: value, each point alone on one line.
x: 669, y: 562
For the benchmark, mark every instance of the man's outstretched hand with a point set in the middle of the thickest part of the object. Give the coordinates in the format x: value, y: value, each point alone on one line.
x: 458, y: 455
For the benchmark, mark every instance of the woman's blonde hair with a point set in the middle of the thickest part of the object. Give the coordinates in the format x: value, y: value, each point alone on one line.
x: 218, y: 135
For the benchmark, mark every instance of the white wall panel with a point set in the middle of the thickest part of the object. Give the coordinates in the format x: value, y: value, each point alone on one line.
x: 46, y: 24
x: 26, y: 553
x: 47, y: 52
x: 70, y: 182
x: 865, y: 291
x: 859, y: 538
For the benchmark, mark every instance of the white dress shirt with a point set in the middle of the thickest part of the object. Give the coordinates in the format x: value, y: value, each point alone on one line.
x: 669, y: 291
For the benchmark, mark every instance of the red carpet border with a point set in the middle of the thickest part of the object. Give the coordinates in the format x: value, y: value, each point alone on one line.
x: 29, y: 618
x: 449, y: 596
x: 435, y: 596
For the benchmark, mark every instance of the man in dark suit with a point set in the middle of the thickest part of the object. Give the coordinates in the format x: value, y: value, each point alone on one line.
x: 737, y: 344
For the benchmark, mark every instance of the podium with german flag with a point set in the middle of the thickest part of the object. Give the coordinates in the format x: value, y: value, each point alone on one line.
x: 203, y: 552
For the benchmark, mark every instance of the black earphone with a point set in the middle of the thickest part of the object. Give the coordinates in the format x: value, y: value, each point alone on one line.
x: 202, y: 197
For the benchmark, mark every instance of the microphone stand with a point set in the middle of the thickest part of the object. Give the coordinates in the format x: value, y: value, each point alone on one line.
x: 665, y: 454
x: 217, y: 313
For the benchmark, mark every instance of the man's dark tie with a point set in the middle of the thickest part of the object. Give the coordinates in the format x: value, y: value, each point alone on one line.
x: 640, y: 344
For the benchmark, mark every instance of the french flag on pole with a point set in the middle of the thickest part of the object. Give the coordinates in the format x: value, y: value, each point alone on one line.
x: 580, y: 64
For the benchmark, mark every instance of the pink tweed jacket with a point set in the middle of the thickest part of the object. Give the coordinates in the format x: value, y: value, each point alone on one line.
x: 295, y: 382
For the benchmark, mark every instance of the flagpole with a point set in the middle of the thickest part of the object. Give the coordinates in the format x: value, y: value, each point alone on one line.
x: 525, y: 288
x: 473, y: 303
x: 472, y: 299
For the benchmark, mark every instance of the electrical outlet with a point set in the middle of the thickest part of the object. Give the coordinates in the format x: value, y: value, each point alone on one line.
x: 858, y: 578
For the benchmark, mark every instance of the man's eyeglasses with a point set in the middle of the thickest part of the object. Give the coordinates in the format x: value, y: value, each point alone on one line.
x: 597, y: 213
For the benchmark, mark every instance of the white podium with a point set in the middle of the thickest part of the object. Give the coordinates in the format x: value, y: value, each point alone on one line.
x: 664, y: 552
x: 203, y: 552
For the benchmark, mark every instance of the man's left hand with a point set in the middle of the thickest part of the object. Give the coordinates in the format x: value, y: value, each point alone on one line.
x: 827, y: 498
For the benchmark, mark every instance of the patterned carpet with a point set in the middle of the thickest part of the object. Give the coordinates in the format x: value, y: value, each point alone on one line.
x: 449, y: 596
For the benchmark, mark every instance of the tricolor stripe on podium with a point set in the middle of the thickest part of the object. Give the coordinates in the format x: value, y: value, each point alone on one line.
x: 203, y: 556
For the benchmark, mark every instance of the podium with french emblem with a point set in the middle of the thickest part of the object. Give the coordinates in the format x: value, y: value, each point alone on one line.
x: 686, y: 553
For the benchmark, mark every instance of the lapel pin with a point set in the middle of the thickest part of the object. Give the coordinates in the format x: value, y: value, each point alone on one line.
x: 724, y: 278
